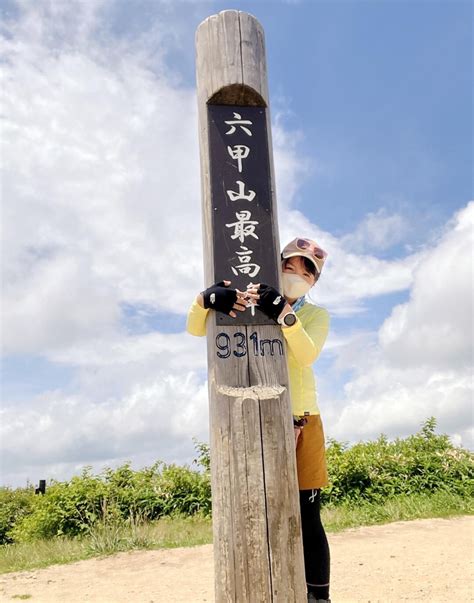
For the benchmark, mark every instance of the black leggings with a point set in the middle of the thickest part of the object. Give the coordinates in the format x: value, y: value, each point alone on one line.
x: 315, y: 544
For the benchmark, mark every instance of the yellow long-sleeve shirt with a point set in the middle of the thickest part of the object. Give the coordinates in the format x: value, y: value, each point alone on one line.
x: 305, y: 340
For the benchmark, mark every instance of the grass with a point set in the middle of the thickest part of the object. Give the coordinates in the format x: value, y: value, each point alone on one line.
x: 169, y: 532
x: 401, y: 508
x: 191, y: 531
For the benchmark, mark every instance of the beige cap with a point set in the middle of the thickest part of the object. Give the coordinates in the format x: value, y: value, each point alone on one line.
x: 308, y: 249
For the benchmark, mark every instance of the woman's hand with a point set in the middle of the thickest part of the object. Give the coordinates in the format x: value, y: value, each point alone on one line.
x: 271, y: 301
x: 223, y: 299
x: 298, y: 424
x: 297, y: 431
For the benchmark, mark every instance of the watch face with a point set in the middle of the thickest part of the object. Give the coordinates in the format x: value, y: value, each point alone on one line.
x: 289, y: 319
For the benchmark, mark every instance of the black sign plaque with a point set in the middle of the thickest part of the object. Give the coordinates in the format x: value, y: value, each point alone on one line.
x: 242, y: 211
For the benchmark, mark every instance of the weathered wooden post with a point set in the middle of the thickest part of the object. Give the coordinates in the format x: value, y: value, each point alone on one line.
x: 257, y: 534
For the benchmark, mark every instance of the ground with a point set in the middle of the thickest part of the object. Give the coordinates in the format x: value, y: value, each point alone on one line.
x: 424, y: 560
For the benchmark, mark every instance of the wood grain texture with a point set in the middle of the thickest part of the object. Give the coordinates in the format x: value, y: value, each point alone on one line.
x: 281, y: 485
x: 248, y: 501
x: 256, y: 522
x: 254, y: 64
x: 283, y: 516
x: 223, y: 523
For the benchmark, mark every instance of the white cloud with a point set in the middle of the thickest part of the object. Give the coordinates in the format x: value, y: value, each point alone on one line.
x: 349, y: 278
x: 159, y: 414
x: 102, y: 182
x: 60, y: 303
x: 420, y: 364
x: 94, y: 172
x: 102, y: 175
x: 396, y: 402
x: 290, y: 169
x: 103, y: 191
x: 434, y: 327
x: 378, y: 230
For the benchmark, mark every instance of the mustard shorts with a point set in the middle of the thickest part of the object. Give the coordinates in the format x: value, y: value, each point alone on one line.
x: 311, y: 455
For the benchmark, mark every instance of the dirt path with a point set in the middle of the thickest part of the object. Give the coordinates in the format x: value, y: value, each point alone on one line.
x: 426, y: 560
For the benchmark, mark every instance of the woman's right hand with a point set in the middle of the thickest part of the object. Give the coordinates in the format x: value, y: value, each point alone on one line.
x: 223, y: 299
x: 297, y: 431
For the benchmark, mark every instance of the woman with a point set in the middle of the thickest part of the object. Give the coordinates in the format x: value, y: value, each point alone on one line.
x: 305, y: 327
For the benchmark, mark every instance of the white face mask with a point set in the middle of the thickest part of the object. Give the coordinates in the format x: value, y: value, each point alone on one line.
x: 294, y: 285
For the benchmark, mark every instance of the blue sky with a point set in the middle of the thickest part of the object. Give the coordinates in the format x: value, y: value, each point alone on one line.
x: 372, y: 126
x: 375, y: 88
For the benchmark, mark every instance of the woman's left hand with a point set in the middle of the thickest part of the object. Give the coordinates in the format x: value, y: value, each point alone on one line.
x: 270, y: 301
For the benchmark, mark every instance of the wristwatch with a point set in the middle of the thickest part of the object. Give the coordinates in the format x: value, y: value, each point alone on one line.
x: 288, y: 320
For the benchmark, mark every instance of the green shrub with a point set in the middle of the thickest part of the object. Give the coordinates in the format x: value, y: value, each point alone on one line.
x: 185, y: 491
x: 136, y: 494
x: 14, y: 505
x: 115, y: 497
x: 67, y: 508
x: 375, y: 471
x: 364, y: 474
x: 204, y: 458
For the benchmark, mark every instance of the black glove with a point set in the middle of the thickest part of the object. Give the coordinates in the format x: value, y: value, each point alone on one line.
x: 271, y: 302
x: 220, y: 298
x: 299, y: 421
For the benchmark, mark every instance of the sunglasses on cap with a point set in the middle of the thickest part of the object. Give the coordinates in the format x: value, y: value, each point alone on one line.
x: 305, y: 245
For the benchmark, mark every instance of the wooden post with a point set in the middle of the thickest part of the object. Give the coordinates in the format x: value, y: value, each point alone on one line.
x: 258, y: 549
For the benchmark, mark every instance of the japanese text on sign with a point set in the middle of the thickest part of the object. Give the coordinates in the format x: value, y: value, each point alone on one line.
x: 242, y: 201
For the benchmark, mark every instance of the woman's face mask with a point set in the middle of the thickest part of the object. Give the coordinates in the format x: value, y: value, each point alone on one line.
x: 294, y: 285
